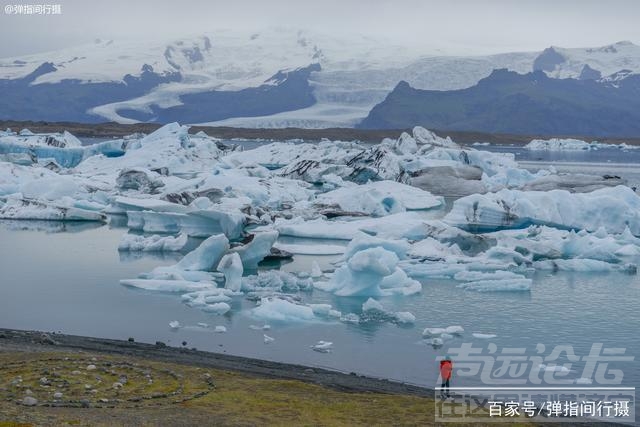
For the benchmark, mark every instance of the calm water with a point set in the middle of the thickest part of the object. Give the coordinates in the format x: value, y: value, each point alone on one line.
x: 69, y: 281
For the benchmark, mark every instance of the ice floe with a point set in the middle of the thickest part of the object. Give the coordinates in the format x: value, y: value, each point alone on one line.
x: 322, y: 347
x: 134, y: 242
x: 280, y: 310
x: 570, y: 144
x: 373, y: 310
x: 614, y: 209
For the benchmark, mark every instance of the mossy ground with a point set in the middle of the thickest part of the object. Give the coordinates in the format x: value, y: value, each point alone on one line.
x: 232, y: 399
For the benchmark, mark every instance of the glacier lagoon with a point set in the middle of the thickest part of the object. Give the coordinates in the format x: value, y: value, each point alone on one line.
x: 550, y: 266
x: 72, y: 285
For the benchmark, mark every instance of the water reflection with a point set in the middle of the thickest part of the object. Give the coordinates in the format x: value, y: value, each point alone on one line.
x: 49, y: 226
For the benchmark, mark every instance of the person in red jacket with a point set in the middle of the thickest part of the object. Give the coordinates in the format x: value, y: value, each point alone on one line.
x: 446, y: 369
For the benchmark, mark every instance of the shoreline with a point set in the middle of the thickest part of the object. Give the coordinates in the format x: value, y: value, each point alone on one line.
x: 37, y: 341
x: 112, y: 129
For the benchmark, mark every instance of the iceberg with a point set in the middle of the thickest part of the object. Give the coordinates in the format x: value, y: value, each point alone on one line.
x: 207, y: 256
x: 154, y: 243
x: 280, y: 310
x: 483, y: 336
x: 614, y: 209
x: 570, y: 144
x: 174, y: 324
x: 18, y: 208
x: 371, y: 272
x: 373, y: 310
x: 276, y: 281
x: 453, y: 330
x: 408, y: 225
x: 256, y: 248
x: 379, y: 198
x: 322, y: 346
x: 231, y: 266
x: 166, y: 285
x: 218, y: 308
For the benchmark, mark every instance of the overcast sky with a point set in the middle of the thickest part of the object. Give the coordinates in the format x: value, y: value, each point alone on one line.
x: 483, y: 26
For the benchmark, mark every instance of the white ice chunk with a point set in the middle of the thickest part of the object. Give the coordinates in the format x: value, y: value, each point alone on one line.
x: 615, y: 209
x: 257, y: 249
x: 374, y: 311
x: 363, y: 241
x: 281, y: 310
x: 276, y: 280
x: 322, y: 346
x: 231, y: 266
x: 154, y: 243
x: 365, y: 272
x: 483, y: 336
x: 216, y: 308
x: 220, y: 329
x: 166, y: 285
x: 207, y: 256
x: 268, y: 339
x: 174, y: 324
x: 380, y: 198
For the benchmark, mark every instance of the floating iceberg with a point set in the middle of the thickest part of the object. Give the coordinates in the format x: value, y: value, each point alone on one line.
x: 322, y: 347
x: 166, y: 285
x: 15, y: 208
x: 373, y: 310
x: 483, y: 336
x: 379, y: 198
x: 155, y: 243
x: 207, y: 256
x: 569, y: 144
x: 256, y: 249
x: 614, y: 209
x: 280, y: 310
x: 231, y: 266
x: 276, y: 281
x: 174, y: 324
x: 371, y: 272
x: 454, y: 330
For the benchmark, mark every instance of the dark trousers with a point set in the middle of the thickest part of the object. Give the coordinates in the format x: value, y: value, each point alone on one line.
x: 445, y: 387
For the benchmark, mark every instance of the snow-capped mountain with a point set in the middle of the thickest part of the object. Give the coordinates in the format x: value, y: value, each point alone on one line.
x: 270, y: 78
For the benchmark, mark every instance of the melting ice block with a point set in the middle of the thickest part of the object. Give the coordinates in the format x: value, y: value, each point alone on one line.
x: 207, y: 256
x: 256, y: 249
x: 231, y: 266
x: 614, y: 209
x: 154, y: 243
x: 373, y: 310
x: 281, y: 310
x: 371, y: 272
x: 380, y: 198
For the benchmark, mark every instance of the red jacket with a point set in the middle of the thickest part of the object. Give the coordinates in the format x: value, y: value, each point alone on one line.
x: 446, y: 367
